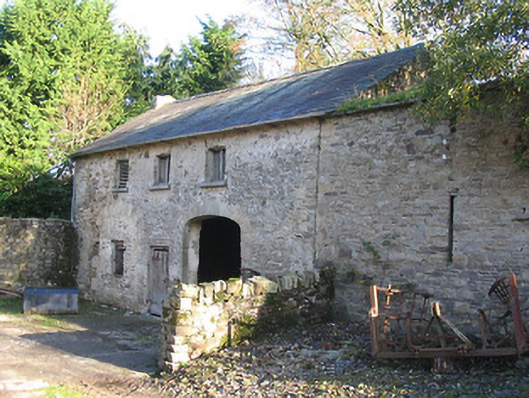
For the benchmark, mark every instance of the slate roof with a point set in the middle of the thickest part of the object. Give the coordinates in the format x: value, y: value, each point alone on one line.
x: 314, y: 93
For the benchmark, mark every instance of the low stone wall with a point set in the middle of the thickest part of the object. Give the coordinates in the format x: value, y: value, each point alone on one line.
x: 36, y: 252
x: 201, y: 318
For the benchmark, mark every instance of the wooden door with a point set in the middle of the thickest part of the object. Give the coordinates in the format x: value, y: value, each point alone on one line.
x: 158, y: 278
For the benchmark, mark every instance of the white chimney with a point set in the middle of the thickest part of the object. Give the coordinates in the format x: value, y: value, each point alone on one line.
x: 161, y: 100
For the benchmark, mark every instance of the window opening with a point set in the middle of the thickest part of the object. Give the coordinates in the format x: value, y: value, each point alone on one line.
x: 451, y: 230
x: 123, y: 174
x: 162, y: 170
x: 216, y: 165
x: 118, y: 257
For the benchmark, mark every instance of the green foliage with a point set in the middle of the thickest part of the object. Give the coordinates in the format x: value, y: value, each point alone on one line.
x: 213, y: 63
x: 68, y: 76
x: 44, y: 197
x: 63, y: 272
x: 370, y: 248
x: 478, y: 56
x: 63, y: 82
x: 60, y: 392
x: 10, y: 306
x: 162, y: 77
x: 207, y: 63
x: 360, y: 104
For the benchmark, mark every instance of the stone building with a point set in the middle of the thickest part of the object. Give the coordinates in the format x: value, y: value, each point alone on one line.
x: 274, y: 178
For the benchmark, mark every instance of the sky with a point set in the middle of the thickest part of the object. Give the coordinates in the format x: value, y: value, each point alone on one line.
x: 173, y: 21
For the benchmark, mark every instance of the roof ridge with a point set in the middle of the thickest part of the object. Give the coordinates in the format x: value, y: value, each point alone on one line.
x: 295, y: 75
x: 316, y: 92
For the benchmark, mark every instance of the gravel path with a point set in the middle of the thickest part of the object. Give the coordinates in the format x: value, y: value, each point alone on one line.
x: 332, y: 360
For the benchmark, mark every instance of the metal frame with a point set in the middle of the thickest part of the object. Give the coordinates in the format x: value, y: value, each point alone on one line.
x: 402, y: 326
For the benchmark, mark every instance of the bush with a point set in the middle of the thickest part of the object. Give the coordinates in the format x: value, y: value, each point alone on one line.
x: 46, y: 196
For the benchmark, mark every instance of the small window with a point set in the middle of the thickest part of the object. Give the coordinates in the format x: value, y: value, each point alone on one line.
x: 122, y: 174
x: 162, y: 170
x: 118, y: 257
x: 216, y: 165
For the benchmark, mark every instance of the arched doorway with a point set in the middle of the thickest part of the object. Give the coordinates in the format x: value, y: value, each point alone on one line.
x: 219, y: 250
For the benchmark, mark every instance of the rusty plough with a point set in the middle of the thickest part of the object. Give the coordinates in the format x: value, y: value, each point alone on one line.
x: 410, y: 325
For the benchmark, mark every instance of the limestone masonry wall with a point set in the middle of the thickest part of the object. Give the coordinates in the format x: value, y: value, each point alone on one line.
x: 378, y: 196
x: 36, y: 252
x: 429, y: 208
x: 201, y: 318
x: 270, y: 192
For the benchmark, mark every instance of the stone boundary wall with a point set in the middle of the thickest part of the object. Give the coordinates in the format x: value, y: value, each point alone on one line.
x: 431, y: 209
x: 35, y: 252
x: 201, y: 318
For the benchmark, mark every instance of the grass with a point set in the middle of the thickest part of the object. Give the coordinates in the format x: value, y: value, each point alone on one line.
x: 11, y: 306
x: 361, y: 104
x: 49, y: 321
x: 60, y: 392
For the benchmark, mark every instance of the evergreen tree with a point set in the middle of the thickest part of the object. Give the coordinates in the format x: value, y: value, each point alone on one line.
x: 63, y: 82
x: 213, y: 61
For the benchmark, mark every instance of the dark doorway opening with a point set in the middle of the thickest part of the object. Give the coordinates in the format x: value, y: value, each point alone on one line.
x: 220, y: 250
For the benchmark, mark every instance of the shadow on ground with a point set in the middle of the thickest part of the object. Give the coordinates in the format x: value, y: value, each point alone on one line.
x: 129, y: 342
x: 126, y: 340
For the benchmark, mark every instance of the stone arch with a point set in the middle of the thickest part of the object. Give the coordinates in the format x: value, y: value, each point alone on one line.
x: 212, y: 249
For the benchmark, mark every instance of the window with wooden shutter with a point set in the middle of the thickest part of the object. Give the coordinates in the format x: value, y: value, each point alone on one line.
x: 123, y: 174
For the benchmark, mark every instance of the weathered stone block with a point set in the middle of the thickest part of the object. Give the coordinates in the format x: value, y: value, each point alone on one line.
x: 177, y: 343
x: 36, y: 253
x: 189, y: 291
x: 219, y: 286
x: 205, y: 326
x: 288, y: 282
x: 247, y: 289
x: 51, y: 300
x: 234, y: 286
x: 263, y: 285
x: 208, y: 290
x: 186, y: 304
x: 177, y: 358
x: 183, y: 331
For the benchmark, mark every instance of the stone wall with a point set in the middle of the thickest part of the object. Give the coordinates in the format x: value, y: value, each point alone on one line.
x: 36, y: 252
x: 270, y: 193
x: 378, y: 196
x: 202, y: 318
x: 428, y: 208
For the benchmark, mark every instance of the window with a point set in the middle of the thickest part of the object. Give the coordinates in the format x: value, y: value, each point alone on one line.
x: 216, y: 165
x: 162, y: 170
x: 122, y: 177
x: 118, y: 257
